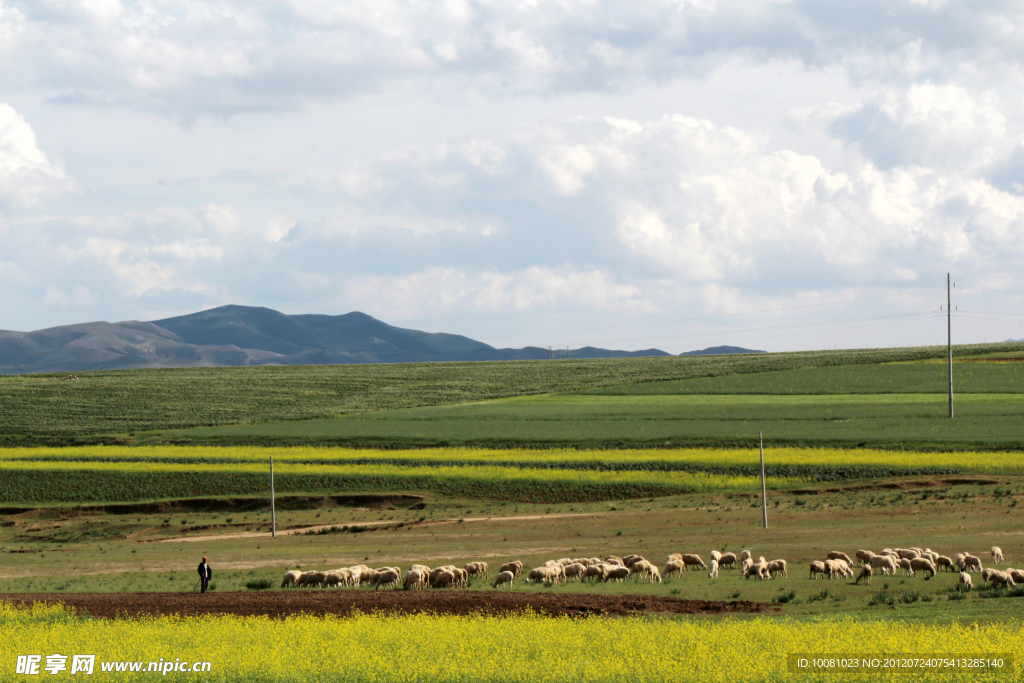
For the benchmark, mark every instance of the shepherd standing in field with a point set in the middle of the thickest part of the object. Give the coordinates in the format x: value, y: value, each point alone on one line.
x: 205, y: 573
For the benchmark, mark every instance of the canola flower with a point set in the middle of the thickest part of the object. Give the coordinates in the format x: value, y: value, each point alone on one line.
x: 1003, y: 462
x: 527, y: 648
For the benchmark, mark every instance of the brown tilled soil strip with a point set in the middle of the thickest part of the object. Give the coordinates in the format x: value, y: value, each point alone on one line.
x: 345, y: 602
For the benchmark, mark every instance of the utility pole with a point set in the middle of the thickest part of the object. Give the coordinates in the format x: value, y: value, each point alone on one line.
x: 949, y: 343
x: 273, y: 514
x: 764, y: 499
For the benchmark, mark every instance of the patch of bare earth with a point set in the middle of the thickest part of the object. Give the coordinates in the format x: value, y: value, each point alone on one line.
x: 283, y: 603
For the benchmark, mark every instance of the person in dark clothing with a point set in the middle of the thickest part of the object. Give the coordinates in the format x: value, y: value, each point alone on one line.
x: 205, y: 573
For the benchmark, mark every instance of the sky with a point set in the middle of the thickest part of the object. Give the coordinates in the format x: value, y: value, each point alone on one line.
x: 779, y: 175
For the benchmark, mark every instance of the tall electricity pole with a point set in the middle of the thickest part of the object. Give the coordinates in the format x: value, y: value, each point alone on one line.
x: 764, y: 500
x: 273, y: 514
x: 949, y: 343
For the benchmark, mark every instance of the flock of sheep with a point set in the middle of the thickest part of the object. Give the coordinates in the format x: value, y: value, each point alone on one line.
x: 614, y: 568
x: 914, y: 560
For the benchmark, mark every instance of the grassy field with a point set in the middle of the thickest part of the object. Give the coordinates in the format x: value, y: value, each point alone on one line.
x: 892, y: 406
x: 45, y: 409
x: 526, y: 648
x: 99, y: 474
x: 64, y: 549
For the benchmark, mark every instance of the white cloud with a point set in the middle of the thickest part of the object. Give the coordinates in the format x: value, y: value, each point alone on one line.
x: 26, y: 175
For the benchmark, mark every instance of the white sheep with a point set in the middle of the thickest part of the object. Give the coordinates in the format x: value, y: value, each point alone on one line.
x: 972, y: 563
x: 865, y: 573
x: 964, y: 584
x: 444, y: 579
x: 693, y: 561
x: 712, y: 574
x: 818, y: 568
x: 538, y: 575
x: 504, y: 577
x: 653, y: 575
x: 1002, y: 579
x: 477, y: 569
x: 922, y: 564
x: 415, y: 579
x: 715, y: 555
x: 674, y: 567
x: 291, y: 577
x: 884, y: 562
x: 905, y: 566
x: 744, y: 555
x: 945, y: 563
x: 1016, y: 574
x: 836, y: 555
x: 727, y: 560
x: 778, y: 567
x: 617, y: 574
x: 864, y: 556
x: 575, y: 571
x: 388, y: 577
x: 516, y: 567
x: 312, y: 578
x: 997, y: 555
x: 599, y: 571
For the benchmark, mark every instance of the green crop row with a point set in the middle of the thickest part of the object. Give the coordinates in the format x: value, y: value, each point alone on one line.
x: 63, y: 482
x: 44, y: 408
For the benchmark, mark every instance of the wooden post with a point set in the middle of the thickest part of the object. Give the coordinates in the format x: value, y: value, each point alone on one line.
x: 764, y: 499
x: 273, y: 514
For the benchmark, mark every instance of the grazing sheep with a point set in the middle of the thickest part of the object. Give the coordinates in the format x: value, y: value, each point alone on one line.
x: 759, y: 569
x: 817, y: 568
x: 836, y: 555
x: 502, y: 578
x: 727, y: 560
x: 676, y: 567
x: 693, y: 561
x: 312, y: 579
x: 291, y: 577
x: 715, y: 555
x: 388, y: 577
x: 923, y: 564
x: 972, y: 563
x: 842, y: 568
x: 744, y: 555
x: 461, y: 578
x: 653, y: 575
x: 1016, y: 574
x: 713, y: 574
x: 643, y: 568
x: 334, y: 579
x: 611, y: 559
x: 1002, y: 579
x: 477, y: 569
x: 538, y: 575
x: 516, y: 567
x: 865, y: 573
x: 630, y: 560
x: 864, y: 556
x: 444, y: 579
x: 575, y: 571
x: 778, y: 567
x: 746, y: 565
x: 415, y: 579
x: 986, y: 574
x: 556, y: 573
x: 945, y: 563
x: 883, y: 562
x: 964, y: 584
x: 617, y: 574
x: 837, y: 567
x: 997, y: 555
x: 905, y: 566
x: 599, y: 571
x: 908, y: 553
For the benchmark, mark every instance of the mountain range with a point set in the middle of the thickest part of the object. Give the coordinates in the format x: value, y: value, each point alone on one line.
x: 246, y: 335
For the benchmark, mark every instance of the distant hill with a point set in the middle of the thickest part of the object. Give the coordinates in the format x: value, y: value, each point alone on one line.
x: 246, y: 335
x: 719, y: 350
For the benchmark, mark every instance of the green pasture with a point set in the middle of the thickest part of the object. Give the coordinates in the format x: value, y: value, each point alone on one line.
x: 112, y: 406
x: 915, y: 421
x: 90, y: 551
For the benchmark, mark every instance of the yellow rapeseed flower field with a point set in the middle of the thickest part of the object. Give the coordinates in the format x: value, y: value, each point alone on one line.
x: 1008, y: 462
x: 530, y: 649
